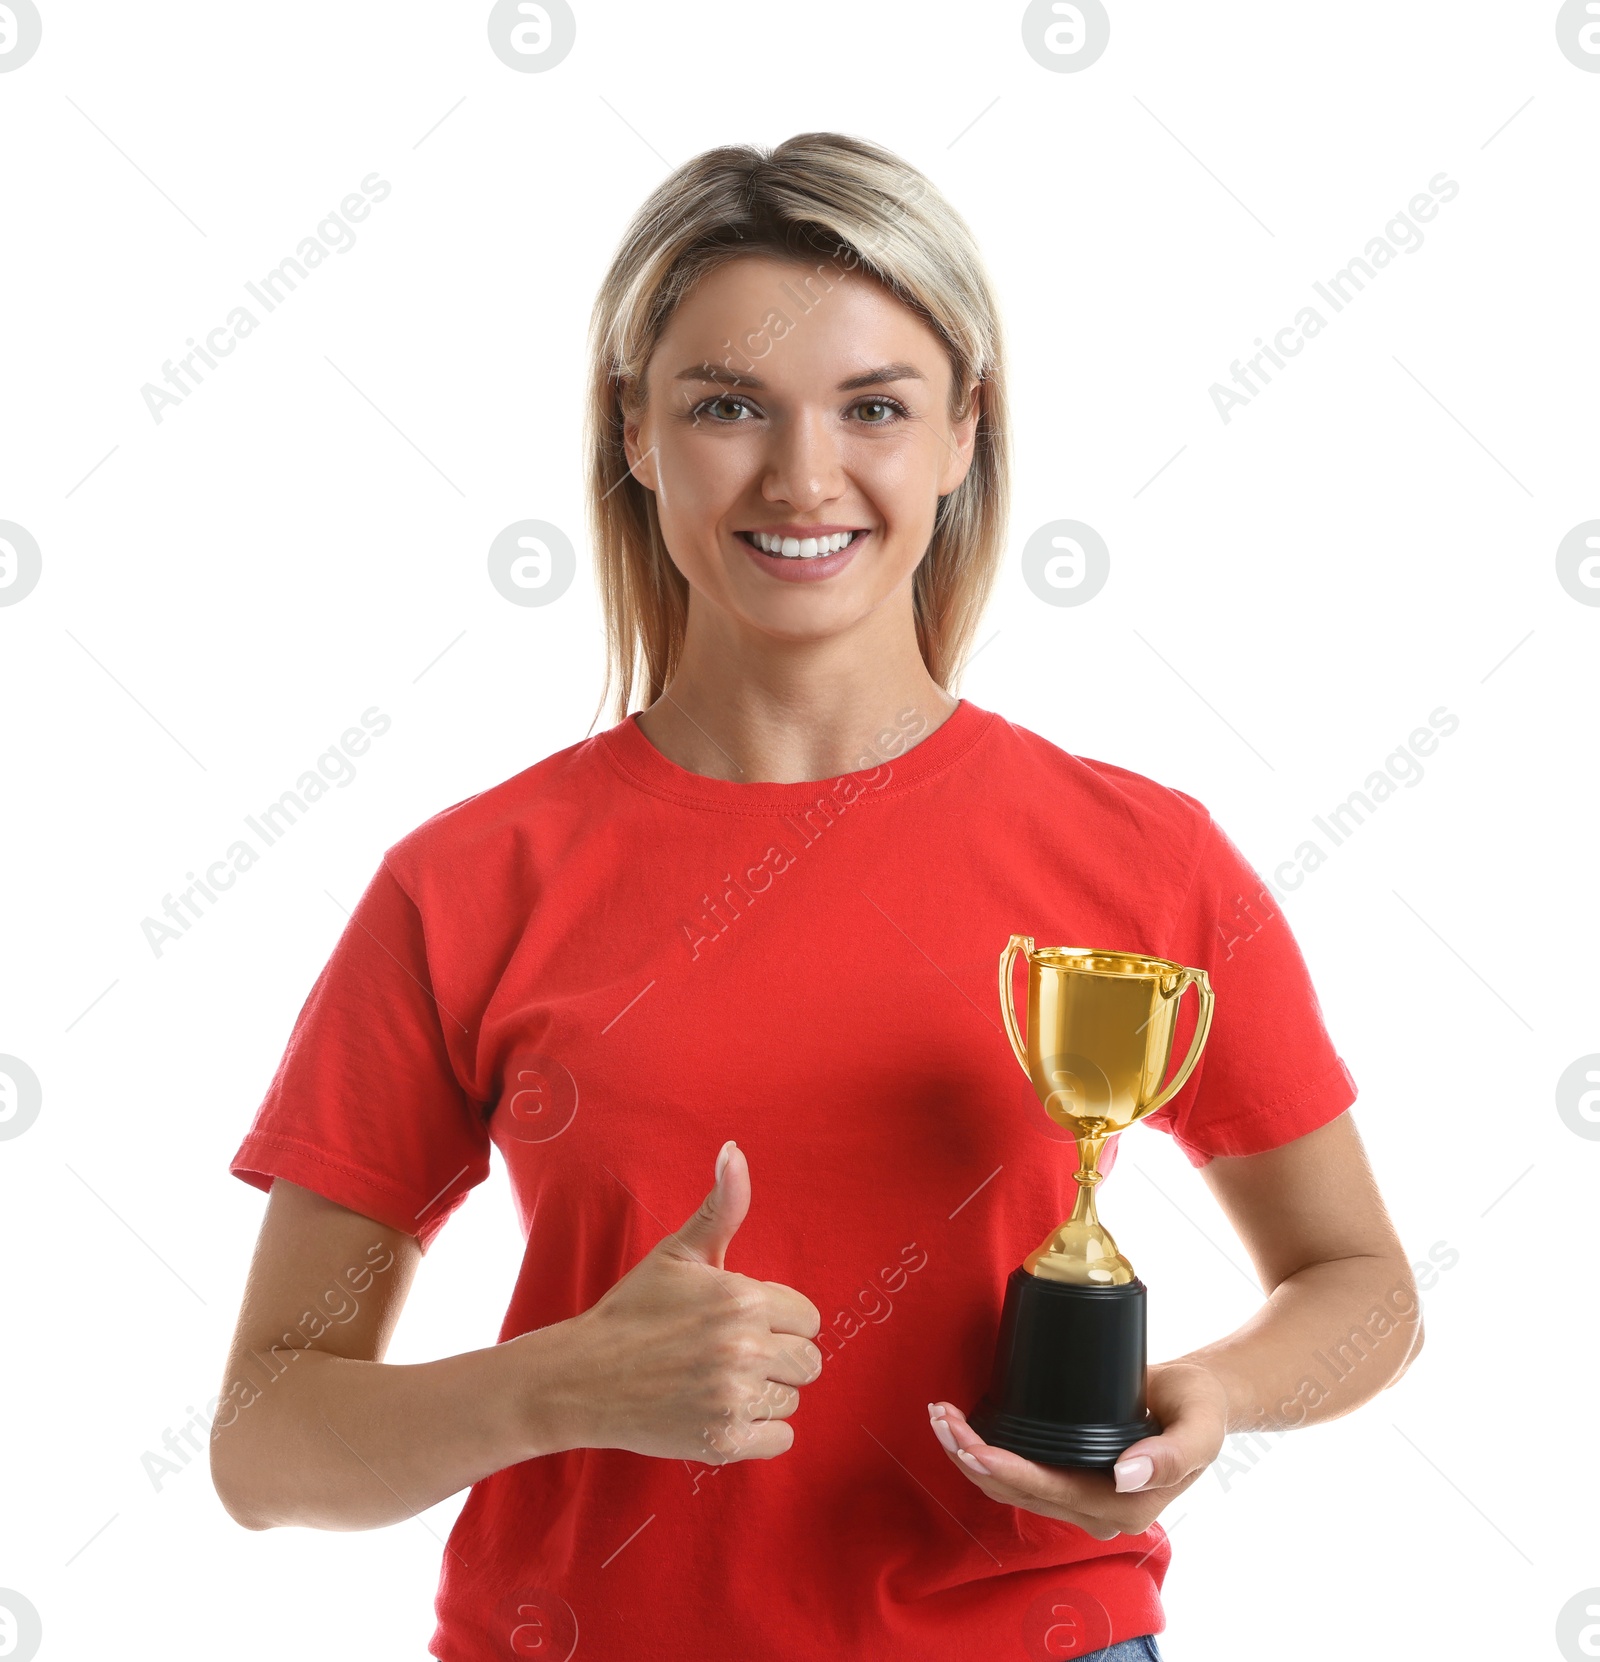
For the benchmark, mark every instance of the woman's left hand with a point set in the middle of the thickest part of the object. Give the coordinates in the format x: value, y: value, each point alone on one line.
x: 1191, y: 1404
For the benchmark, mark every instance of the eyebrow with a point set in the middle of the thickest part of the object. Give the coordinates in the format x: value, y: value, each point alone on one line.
x: 868, y: 378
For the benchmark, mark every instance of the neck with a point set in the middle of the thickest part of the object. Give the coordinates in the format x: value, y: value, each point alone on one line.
x: 754, y: 708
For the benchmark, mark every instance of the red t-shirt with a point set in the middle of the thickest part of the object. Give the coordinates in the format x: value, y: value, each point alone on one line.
x: 606, y: 966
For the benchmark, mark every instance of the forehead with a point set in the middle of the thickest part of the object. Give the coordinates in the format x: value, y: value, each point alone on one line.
x: 769, y: 318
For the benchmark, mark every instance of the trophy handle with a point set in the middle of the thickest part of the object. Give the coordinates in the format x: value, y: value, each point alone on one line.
x: 1017, y: 943
x: 1202, y: 1027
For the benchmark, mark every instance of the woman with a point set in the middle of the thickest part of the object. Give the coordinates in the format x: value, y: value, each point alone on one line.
x: 750, y: 931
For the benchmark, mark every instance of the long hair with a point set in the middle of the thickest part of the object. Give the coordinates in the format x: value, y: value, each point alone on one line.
x: 841, y: 203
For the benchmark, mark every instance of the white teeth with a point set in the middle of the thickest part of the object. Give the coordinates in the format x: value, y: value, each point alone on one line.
x: 801, y: 548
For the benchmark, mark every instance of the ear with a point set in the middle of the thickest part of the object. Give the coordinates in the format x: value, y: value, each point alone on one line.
x: 639, y: 446
x: 963, y: 441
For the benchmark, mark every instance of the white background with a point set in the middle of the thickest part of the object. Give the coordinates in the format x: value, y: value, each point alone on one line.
x: 224, y: 592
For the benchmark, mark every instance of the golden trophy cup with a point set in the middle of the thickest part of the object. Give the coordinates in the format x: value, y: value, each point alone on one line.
x: 1068, y: 1386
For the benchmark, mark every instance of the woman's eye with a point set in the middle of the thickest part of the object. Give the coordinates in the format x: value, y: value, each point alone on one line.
x: 721, y: 405
x: 890, y: 410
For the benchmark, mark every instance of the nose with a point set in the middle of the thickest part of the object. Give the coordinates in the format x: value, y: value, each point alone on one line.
x: 803, y: 467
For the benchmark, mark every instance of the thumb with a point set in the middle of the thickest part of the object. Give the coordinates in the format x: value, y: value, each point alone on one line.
x: 1150, y: 1464
x: 712, y: 1226
x: 1192, y: 1405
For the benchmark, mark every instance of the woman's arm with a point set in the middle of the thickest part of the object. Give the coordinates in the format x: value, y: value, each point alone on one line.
x: 314, y: 1428
x: 1341, y: 1322
x: 680, y: 1359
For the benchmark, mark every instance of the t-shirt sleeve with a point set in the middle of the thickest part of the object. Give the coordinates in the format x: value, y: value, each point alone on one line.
x: 365, y: 1106
x: 1269, y: 1072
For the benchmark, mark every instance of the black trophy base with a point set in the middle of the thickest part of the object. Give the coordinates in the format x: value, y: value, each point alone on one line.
x: 1069, y: 1373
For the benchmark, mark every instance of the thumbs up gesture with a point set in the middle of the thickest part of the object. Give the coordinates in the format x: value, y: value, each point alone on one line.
x: 688, y: 1360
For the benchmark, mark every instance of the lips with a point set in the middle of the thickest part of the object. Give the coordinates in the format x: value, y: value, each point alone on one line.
x: 800, y: 568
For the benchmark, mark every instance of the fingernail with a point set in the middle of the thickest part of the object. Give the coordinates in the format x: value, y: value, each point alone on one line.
x: 722, y: 1158
x: 1134, y: 1473
x: 973, y: 1461
x: 941, y: 1430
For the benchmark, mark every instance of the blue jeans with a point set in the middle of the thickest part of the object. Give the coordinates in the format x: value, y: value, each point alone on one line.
x: 1129, y: 1650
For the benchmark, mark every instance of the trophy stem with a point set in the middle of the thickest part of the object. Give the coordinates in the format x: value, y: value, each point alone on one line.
x: 1087, y: 1177
x: 1082, y: 1250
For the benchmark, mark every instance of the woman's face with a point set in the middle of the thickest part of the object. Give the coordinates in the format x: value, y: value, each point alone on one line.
x: 781, y: 411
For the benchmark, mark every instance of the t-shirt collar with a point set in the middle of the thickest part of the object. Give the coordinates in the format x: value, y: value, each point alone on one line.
x: 889, y: 766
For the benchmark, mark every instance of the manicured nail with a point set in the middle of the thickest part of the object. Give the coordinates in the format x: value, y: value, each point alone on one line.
x: 1134, y: 1473
x: 973, y: 1461
x: 941, y: 1430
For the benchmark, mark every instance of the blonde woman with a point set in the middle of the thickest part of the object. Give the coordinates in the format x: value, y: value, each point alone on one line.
x: 745, y: 938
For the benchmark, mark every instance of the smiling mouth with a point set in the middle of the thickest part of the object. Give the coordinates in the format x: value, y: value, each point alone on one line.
x: 799, y: 548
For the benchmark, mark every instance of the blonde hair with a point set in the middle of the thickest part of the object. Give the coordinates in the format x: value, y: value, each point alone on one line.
x: 817, y: 196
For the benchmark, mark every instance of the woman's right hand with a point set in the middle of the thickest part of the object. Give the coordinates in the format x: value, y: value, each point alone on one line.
x: 683, y: 1359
